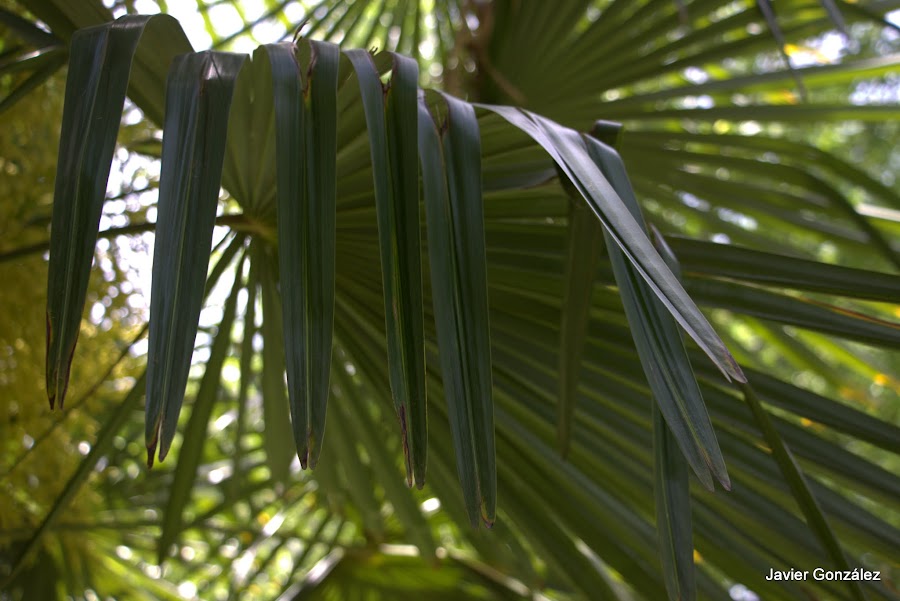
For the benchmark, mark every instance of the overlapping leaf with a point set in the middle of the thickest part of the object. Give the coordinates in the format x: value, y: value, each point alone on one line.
x: 450, y: 155
x: 582, y: 257
x: 306, y: 113
x: 95, y: 91
x: 600, y: 496
x: 197, y: 107
x: 566, y: 148
x: 392, y: 140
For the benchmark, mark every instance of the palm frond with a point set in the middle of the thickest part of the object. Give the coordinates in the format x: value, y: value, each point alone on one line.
x: 478, y: 323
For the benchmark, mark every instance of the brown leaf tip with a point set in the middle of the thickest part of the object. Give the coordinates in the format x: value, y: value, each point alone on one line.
x: 151, y: 449
x: 404, y: 438
x: 304, y: 459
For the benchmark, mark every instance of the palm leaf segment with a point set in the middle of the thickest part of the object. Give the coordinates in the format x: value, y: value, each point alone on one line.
x: 450, y: 192
x: 199, y: 96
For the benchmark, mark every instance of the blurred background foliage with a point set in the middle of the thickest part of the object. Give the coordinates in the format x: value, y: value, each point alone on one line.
x: 343, y: 532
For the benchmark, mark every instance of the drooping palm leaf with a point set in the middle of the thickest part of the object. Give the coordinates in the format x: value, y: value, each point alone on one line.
x: 305, y: 99
x: 607, y: 477
x: 96, y: 90
x: 198, y: 101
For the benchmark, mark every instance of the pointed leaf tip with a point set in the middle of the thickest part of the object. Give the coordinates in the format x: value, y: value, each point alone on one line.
x: 657, y: 337
x: 151, y: 453
x: 98, y: 74
x: 451, y: 167
x: 393, y: 148
x: 404, y: 441
x: 198, y: 99
x: 305, y: 101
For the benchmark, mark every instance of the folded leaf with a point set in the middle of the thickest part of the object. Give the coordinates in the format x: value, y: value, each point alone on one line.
x: 306, y: 113
x: 99, y: 68
x: 392, y: 141
x: 198, y: 99
x: 566, y: 148
x: 451, y: 167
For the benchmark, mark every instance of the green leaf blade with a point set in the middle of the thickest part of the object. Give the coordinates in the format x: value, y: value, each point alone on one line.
x: 673, y: 512
x: 99, y: 70
x: 292, y: 200
x: 462, y: 149
x: 583, y: 253
x: 401, y: 103
x: 305, y: 109
x: 456, y: 251
x: 322, y: 148
x: 392, y: 140
x: 440, y: 255
x: 198, y: 102
x: 659, y: 344
x: 567, y: 149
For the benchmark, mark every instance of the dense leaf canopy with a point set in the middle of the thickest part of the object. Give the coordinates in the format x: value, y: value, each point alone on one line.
x: 637, y: 262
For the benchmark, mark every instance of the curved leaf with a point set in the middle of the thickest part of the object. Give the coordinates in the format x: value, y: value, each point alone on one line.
x: 567, y: 149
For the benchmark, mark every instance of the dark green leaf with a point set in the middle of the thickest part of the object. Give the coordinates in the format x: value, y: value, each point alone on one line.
x: 459, y: 291
x: 659, y: 344
x: 673, y: 512
x: 392, y: 140
x: 305, y: 110
x: 585, y: 243
x: 197, y: 106
x: 567, y: 149
x: 95, y: 91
